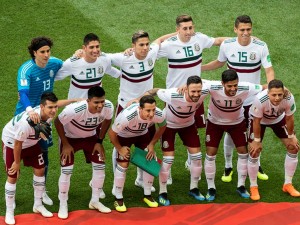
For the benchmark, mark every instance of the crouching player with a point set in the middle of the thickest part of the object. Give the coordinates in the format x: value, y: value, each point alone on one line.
x: 271, y: 108
x: 131, y: 127
x: 76, y: 126
x: 20, y: 139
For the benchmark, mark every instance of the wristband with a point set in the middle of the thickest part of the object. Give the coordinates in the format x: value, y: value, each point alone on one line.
x: 291, y: 135
x: 99, y: 140
x: 257, y: 139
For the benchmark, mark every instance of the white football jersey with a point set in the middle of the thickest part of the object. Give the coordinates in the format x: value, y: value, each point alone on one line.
x: 179, y: 112
x: 245, y: 60
x: 129, y: 123
x: 19, y: 129
x: 78, y: 122
x: 228, y: 110
x: 137, y: 75
x: 184, y: 58
x: 85, y: 75
x: 270, y: 114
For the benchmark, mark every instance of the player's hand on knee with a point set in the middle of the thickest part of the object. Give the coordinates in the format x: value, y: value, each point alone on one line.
x: 125, y: 152
x: 66, y: 153
x: 15, y: 167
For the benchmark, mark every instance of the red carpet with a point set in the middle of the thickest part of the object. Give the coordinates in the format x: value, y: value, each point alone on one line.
x: 205, y: 214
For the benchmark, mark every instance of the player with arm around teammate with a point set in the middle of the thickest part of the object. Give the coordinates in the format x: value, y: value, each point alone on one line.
x: 76, y: 126
x: 184, y: 53
x: 87, y: 71
x: 272, y: 108
x: 131, y: 127
x: 246, y: 56
x: 180, y: 110
x: 137, y: 76
x: 20, y: 142
x: 35, y: 77
x: 226, y: 114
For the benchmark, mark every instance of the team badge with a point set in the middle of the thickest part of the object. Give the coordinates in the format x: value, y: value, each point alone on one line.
x: 150, y: 62
x: 100, y: 69
x: 238, y: 101
x: 252, y: 55
x: 208, y: 138
x: 252, y: 136
x: 197, y: 47
x: 165, y: 144
x: 51, y: 73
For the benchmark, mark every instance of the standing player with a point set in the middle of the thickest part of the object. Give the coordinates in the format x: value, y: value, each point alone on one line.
x: 226, y: 114
x: 131, y: 127
x: 76, y: 126
x: 35, y: 77
x: 88, y: 71
x: 271, y: 108
x: 245, y: 55
x: 184, y: 54
x: 180, y: 110
x: 137, y: 76
x: 20, y: 142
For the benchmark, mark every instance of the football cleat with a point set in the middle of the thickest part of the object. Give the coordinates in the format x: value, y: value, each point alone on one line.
x: 227, y: 176
x: 63, y: 211
x: 150, y: 201
x: 196, y: 194
x: 163, y: 199
x: 289, y: 188
x: 99, y: 206
x: 42, y: 210
x: 211, y: 194
x: 261, y: 175
x: 9, y: 216
x: 254, y: 194
x: 241, y: 190
x: 118, y: 207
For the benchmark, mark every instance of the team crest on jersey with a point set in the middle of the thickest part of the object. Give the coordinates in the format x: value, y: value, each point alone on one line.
x: 100, y: 69
x: 150, y: 62
x: 208, y: 138
x: 165, y: 144
x: 238, y: 101
x: 197, y: 47
x: 252, y: 136
x: 51, y: 73
x: 252, y: 55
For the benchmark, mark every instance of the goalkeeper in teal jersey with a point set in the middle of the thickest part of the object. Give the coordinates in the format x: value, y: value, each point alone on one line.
x: 35, y: 77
